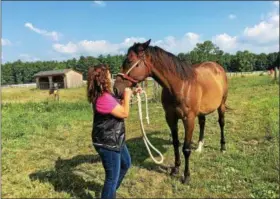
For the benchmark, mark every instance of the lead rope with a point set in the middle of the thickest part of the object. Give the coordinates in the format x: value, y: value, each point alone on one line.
x: 145, y: 138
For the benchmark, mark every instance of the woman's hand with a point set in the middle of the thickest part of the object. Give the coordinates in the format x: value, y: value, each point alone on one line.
x: 137, y: 90
x: 127, y: 92
x: 122, y: 110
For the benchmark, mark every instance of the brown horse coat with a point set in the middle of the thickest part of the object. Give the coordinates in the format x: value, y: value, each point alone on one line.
x: 188, y: 92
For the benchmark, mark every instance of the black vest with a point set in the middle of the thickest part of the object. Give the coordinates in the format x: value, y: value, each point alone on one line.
x: 108, y: 131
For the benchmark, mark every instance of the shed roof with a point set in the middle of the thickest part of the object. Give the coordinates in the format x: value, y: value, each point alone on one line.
x: 53, y: 72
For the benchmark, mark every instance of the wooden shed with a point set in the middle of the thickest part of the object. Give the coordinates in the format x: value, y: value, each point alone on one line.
x: 65, y: 78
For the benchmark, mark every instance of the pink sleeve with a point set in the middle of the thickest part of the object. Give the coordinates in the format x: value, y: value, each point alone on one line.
x: 106, y: 103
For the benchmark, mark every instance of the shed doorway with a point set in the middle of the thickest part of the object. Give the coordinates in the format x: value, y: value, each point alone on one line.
x: 44, y: 83
x: 59, y: 80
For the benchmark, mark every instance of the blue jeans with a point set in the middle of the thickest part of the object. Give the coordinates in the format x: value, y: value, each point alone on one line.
x: 116, y: 165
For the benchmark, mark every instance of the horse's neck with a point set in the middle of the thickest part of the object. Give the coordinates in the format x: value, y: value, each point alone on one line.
x: 160, y: 79
x: 166, y: 79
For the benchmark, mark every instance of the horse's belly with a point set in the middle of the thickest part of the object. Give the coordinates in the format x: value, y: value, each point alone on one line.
x: 212, y: 84
x: 209, y: 107
x: 211, y: 99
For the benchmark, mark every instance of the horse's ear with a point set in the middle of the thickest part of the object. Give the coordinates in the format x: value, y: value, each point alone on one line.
x: 146, y: 44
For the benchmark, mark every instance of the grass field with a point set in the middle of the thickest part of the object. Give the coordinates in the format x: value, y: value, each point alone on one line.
x: 47, y: 151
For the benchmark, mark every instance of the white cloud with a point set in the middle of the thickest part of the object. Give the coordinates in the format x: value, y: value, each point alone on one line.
x: 27, y: 57
x: 53, y: 34
x: 131, y: 40
x: 231, y: 44
x: 262, y: 37
x: 267, y: 31
x: 225, y: 42
x: 99, y: 3
x: 5, y: 42
x: 232, y: 16
x: 95, y: 48
x: 258, y: 38
x: 192, y: 38
x: 177, y: 45
x: 172, y: 44
x: 69, y: 48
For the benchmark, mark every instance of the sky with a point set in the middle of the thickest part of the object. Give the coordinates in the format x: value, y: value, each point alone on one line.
x: 50, y: 30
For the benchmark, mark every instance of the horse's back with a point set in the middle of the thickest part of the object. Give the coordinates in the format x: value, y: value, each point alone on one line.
x: 208, y: 72
x: 212, y: 83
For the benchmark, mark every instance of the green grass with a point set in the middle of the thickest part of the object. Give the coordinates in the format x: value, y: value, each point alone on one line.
x: 47, y: 152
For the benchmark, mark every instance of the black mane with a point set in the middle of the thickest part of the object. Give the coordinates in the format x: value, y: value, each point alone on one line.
x: 171, y: 63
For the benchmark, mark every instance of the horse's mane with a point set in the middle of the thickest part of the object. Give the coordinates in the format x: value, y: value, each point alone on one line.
x: 171, y: 63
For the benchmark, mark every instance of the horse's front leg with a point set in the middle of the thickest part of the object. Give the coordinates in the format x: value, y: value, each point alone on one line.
x: 172, y: 121
x: 189, y: 127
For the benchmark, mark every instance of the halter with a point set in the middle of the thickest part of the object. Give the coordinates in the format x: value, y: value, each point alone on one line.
x: 125, y: 75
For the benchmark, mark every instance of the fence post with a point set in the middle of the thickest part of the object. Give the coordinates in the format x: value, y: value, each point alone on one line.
x: 154, y: 89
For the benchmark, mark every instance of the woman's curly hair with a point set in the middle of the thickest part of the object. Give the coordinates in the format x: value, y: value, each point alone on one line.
x: 97, y: 82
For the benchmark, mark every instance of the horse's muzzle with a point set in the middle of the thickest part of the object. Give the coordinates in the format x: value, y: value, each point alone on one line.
x: 117, y: 93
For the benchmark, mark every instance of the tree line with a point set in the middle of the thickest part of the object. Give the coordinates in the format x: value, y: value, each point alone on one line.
x: 19, y: 72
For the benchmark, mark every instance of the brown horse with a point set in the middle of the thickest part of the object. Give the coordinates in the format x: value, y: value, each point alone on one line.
x: 188, y: 92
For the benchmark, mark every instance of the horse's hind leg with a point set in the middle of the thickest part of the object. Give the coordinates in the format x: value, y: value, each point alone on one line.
x: 221, y: 112
x: 172, y: 121
x: 201, y: 120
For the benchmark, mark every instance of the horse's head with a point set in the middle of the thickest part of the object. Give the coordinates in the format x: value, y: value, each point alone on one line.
x: 135, y: 68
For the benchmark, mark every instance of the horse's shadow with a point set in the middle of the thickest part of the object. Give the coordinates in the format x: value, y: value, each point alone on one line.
x: 63, y: 176
x: 139, y: 153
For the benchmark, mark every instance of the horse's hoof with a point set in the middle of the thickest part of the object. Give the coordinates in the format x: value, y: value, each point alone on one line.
x: 223, y: 148
x: 223, y: 151
x: 174, y: 171
x: 200, y: 146
x: 186, y: 180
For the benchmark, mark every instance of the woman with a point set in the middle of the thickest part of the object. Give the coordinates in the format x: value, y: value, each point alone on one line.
x: 108, y: 133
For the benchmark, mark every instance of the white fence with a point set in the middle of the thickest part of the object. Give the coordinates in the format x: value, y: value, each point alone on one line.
x: 18, y: 85
x: 253, y: 73
x: 229, y: 74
